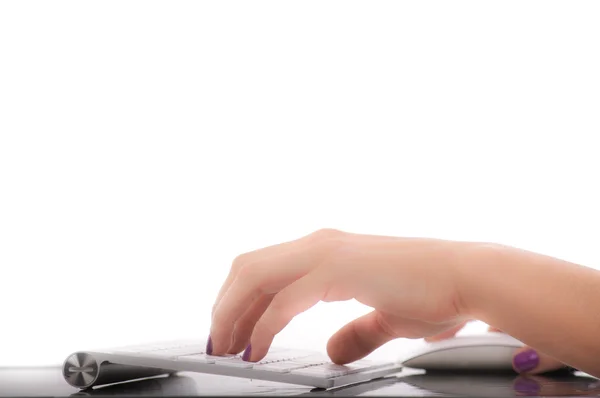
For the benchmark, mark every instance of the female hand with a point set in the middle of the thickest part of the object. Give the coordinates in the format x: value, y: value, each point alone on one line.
x: 411, y: 284
x: 417, y: 288
x: 526, y: 360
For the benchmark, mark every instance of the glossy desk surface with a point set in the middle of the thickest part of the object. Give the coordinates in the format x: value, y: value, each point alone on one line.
x: 33, y: 382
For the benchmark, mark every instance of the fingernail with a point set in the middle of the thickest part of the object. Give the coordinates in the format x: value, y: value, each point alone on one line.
x: 209, y: 346
x: 247, y: 353
x: 526, y: 361
x: 526, y: 387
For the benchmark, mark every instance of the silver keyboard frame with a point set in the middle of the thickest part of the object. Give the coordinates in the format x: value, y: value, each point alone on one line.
x: 95, y: 368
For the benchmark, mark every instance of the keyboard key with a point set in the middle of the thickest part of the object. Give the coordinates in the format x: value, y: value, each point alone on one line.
x: 153, y: 347
x: 313, y: 358
x: 199, y: 358
x: 186, y: 343
x: 333, y: 370
x: 363, y: 365
x: 221, y: 357
x: 235, y: 361
x: 309, y: 361
x: 176, y: 352
x: 326, y: 370
x: 283, y: 355
x: 279, y: 367
x: 286, y: 366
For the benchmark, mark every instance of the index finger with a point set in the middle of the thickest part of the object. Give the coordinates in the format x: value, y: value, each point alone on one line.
x: 265, y: 276
x: 251, y: 257
x: 288, y: 303
x: 247, y: 258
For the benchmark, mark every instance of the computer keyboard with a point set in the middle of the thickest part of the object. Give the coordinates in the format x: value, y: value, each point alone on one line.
x: 87, y: 369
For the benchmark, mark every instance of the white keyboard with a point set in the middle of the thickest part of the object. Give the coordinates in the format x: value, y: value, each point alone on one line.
x: 86, y: 369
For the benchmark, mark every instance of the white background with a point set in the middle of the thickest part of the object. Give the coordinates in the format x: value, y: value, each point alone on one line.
x: 143, y: 145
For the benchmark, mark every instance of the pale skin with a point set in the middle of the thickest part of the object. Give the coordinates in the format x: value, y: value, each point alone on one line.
x: 417, y: 288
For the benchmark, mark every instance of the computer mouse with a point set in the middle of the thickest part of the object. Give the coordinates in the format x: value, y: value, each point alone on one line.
x: 486, y: 352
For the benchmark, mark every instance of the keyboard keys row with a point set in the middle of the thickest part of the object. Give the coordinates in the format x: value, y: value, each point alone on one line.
x: 277, y: 360
x: 319, y: 366
x: 176, y: 352
x: 162, y: 347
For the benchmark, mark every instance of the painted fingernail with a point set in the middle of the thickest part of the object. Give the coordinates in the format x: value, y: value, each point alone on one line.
x: 247, y: 353
x: 209, y: 347
x: 526, y: 361
x: 526, y: 387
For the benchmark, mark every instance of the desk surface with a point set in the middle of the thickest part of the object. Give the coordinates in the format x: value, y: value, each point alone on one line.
x: 34, y: 382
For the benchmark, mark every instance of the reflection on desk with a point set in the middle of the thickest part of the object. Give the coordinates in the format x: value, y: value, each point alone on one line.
x: 409, y: 383
x: 192, y: 384
x: 504, y: 385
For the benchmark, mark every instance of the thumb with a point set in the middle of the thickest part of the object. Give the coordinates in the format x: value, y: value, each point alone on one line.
x: 359, y: 338
x: 529, y: 361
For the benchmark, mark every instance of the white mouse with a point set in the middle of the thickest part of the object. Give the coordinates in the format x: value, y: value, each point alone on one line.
x: 487, y: 352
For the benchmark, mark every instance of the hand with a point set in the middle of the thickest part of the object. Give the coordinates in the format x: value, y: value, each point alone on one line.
x: 411, y: 284
x: 526, y: 360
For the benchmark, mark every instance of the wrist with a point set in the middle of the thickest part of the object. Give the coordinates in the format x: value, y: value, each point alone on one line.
x: 476, y: 272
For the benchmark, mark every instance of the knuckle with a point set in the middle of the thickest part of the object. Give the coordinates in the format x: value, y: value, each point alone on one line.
x: 255, y: 276
x: 247, y: 272
x: 239, y: 262
x: 327, y: 234
x: 331, y: 244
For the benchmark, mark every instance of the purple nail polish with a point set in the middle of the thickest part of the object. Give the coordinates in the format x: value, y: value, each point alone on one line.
x: 247, y: 353
x: 209, y: 347
x: 526, y: 387
x: 526, y: 361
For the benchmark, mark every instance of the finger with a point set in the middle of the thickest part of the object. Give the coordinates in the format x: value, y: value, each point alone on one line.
x: 529, y: 361
x: 248, y: 258
x: 265, y: 277
x: 245, y: 325
x: 289, y: 302
x: 266, y: 252
x: 494, y: 330
x: 359, y: 338
x: 446, y: 334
